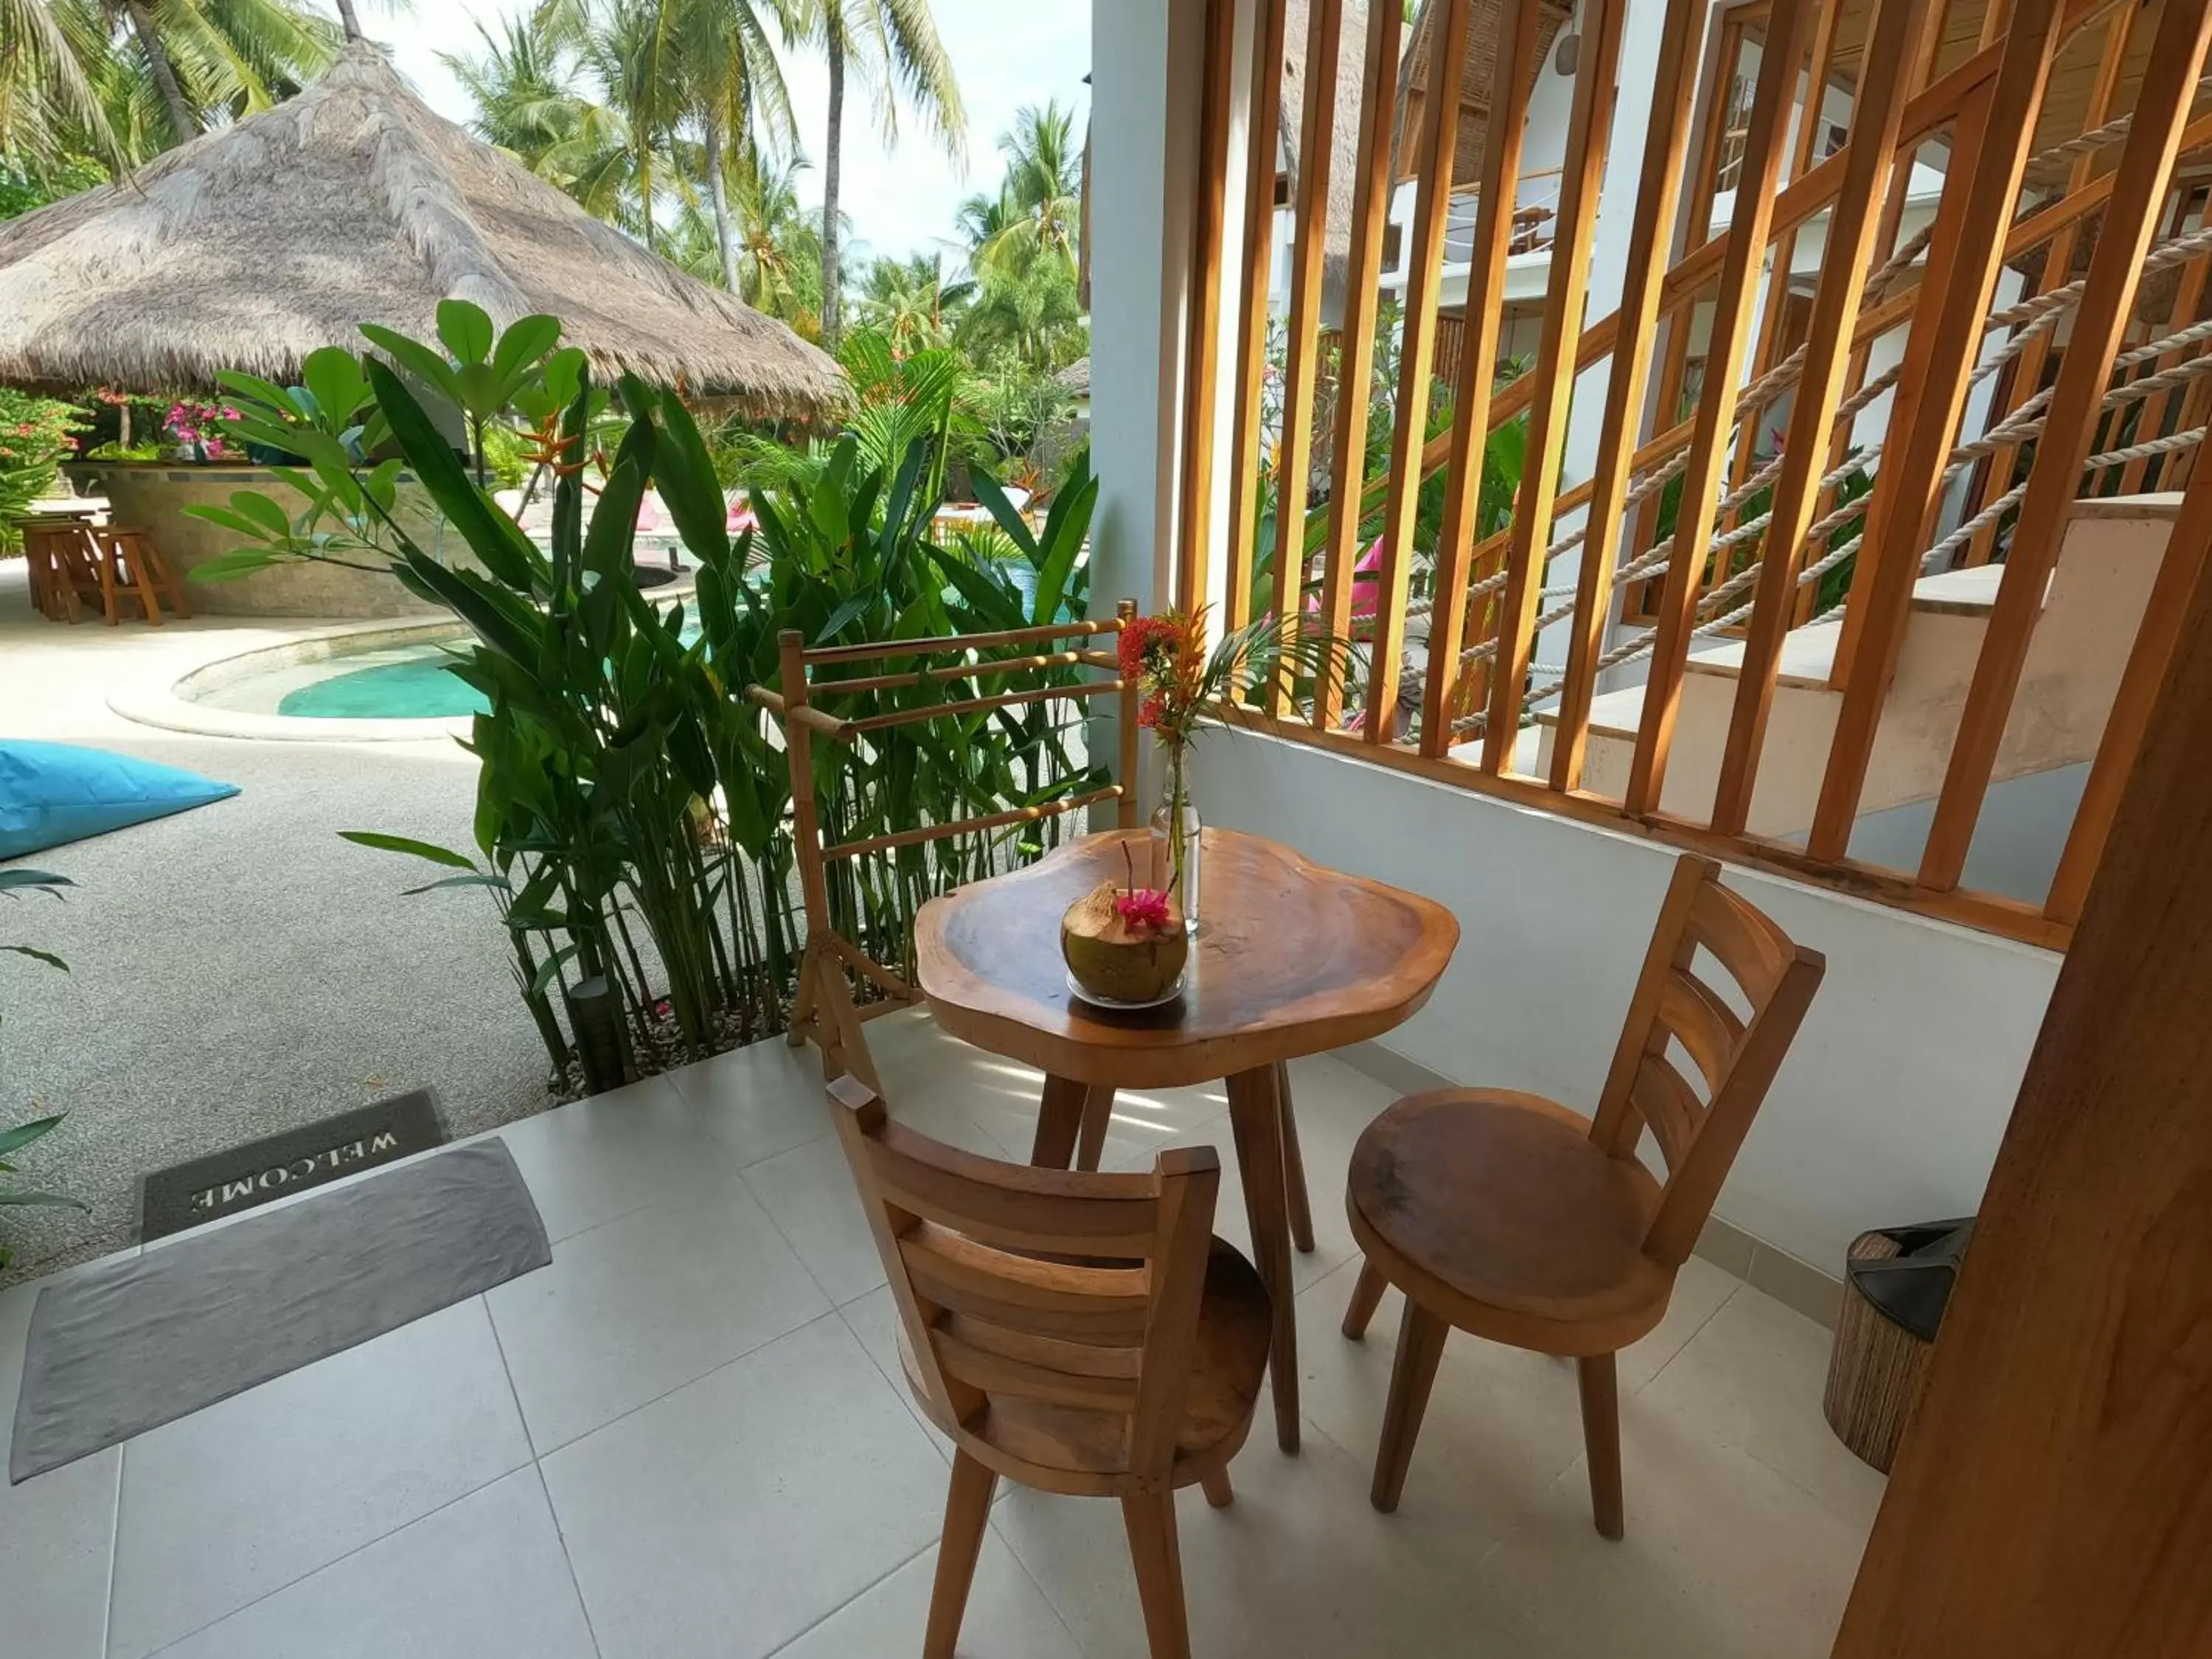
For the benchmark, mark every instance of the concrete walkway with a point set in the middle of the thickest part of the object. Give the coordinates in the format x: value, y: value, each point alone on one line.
x: 237, y: 970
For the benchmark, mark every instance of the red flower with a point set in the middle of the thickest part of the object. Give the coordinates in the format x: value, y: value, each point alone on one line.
x: 1154, y: 707
x: 1144, y: 908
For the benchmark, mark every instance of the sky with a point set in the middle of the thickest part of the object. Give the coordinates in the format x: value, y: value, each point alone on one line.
x: 901, y: 198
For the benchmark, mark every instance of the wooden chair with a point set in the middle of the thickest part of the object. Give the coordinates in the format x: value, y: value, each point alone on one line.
x: 1078, y: 1333
x: 823, y: 1012
x: 133, y: 571
x: 62, y: 563
x: 1514, y: 1219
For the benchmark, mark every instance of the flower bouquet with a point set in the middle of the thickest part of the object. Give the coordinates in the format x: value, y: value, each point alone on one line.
x: 1180, y: 681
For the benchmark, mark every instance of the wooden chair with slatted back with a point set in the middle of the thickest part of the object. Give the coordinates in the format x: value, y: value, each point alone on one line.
x: 1513, y: 1217
x: 1079, y: 1333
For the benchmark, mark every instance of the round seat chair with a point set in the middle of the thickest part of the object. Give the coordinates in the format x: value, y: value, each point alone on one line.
x: 1516, y: 1219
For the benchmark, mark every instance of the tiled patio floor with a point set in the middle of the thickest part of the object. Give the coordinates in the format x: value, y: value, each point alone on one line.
x: 685, y: 1438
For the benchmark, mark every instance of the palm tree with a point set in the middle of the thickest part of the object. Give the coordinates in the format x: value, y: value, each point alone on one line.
x: 68, y: 67
x: 528, y: 104
x: 734, y: 84
x: 910, y: 302
x: 1040, y: 211
x: 779, y: 245
x: 892, y: 44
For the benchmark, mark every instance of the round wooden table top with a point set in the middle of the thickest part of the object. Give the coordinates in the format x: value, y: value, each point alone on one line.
x: 1290, y: 959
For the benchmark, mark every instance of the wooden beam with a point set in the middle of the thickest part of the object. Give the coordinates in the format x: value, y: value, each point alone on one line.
x: 1780, y: 60
x: 1437, y: 145
x: 1589, y: 123
x: 1370, y: 214
x: 1990, y: 151
x: 1302, y: 362
x: 1264, y: 135
x: 1513, y: 73
x: 2026, y: 377
x: 2130, y: 226
x: 1894, y: 26
x: 1202, y: 337
x: 1658, y: 199
x: 2049, y: 1501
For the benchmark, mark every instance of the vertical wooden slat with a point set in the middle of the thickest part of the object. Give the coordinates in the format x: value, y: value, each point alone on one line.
x: 1589, y: 121
x: 1432, y: 164
x: 2195, y: 411
x: 1991, y: 141
x: 2188, y: 298
x: 1781, y: 58
x: 1772, y: 342
x: 1301, y: 364
x: 1370, y: 214
x: 2026, y: 376
x: 1849, y: 251
x: 2188, y: 550
x: 1265, y: 136
x: 2161, y: 110
x: 1697, y: 231
x: 1128, y: 814
x: 1657, y: 200
x: 1512, y: 71
x: 1202, y: 340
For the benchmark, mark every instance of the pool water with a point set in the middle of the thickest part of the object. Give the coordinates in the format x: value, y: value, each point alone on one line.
x: 415, y: 685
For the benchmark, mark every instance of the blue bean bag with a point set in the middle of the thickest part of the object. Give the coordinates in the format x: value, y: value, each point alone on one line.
x: 52, y: 793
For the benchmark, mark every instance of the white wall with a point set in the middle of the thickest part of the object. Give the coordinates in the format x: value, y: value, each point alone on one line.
x: 1893, y: 1102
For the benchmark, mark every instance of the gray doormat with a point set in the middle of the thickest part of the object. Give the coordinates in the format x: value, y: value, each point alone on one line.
x: 131, y: 1345
x: 239, y: 1178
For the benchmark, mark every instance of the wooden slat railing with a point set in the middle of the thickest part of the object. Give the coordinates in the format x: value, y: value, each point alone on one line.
x: 1927, y: 325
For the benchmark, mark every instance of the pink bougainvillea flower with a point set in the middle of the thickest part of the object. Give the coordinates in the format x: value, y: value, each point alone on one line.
x: 1146, y: 909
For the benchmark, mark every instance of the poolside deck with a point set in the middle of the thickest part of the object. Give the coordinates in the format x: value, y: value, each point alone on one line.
x: 686, y: 1437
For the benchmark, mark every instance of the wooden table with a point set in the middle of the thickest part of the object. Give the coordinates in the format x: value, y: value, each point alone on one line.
x: 1290, y: 959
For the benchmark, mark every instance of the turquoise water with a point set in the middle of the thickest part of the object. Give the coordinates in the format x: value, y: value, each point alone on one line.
x: 420, y: 688
x: 412, y: 682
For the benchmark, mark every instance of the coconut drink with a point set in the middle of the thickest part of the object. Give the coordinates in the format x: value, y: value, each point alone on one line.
x: 1124, y: 944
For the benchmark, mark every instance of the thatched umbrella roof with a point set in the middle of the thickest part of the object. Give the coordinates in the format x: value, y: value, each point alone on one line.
x: 254, y: 244
x: 1416, y: 71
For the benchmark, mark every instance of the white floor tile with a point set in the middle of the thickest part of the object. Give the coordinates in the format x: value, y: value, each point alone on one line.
x: 761, y: 1100
x: 741, y: 1510
x: 808, y: 1192
x: 57, y: 1530
x: 1007, y: 1616
x: 483, y: 1578
x: 1752, y: 1379
x: 588, y: 1163
x: 645, y: 1303
x: 224, y: 1506
x: 1299, y: 1567
x: 1723, y: 1559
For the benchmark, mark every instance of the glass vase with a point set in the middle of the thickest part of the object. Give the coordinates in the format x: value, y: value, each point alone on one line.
x: 1176, y: 838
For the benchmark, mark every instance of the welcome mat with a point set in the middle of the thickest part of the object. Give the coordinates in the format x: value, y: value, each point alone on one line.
x: 226, y: 1182
x: 130, y: 1345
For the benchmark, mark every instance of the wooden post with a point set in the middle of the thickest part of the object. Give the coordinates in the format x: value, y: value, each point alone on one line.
x: 2049, y: 1501
x: 1264, y: 134
x: 1202, y: 341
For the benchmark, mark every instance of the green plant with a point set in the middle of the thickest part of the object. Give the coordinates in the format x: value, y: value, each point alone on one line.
x: 14, y: 884
x: 631, y: 821
x: 35, y: 433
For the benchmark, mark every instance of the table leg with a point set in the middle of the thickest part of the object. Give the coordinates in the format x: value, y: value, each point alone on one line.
x: 1071, y: 1123
x: 1255, y: 1120
x: 1294, y: 1166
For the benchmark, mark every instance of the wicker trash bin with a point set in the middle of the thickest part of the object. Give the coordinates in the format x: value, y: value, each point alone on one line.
x: 1897, y: 1282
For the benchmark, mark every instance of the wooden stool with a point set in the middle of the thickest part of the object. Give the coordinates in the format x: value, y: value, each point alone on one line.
x: 131, y: 569
x: 1508, y: 1216
x: 64, y: 568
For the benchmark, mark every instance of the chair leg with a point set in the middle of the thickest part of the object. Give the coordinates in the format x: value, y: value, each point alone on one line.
x: 1602, y: 1439
x: 1366, y: 1296
x: 1218, y: 1492
x: 967, y: 1512
x: 1151, y: 1520
x: 1097, y: 1118
x: 1420, y: 1345
x: 140, y: 577
x: 1294, y: 1166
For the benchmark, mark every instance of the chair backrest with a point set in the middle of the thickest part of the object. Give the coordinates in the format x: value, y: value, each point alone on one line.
x: 1733, y: 1055
x: 1074, y: 1290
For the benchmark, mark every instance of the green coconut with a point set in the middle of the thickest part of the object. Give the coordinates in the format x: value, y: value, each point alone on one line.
x: 1110, y: 958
